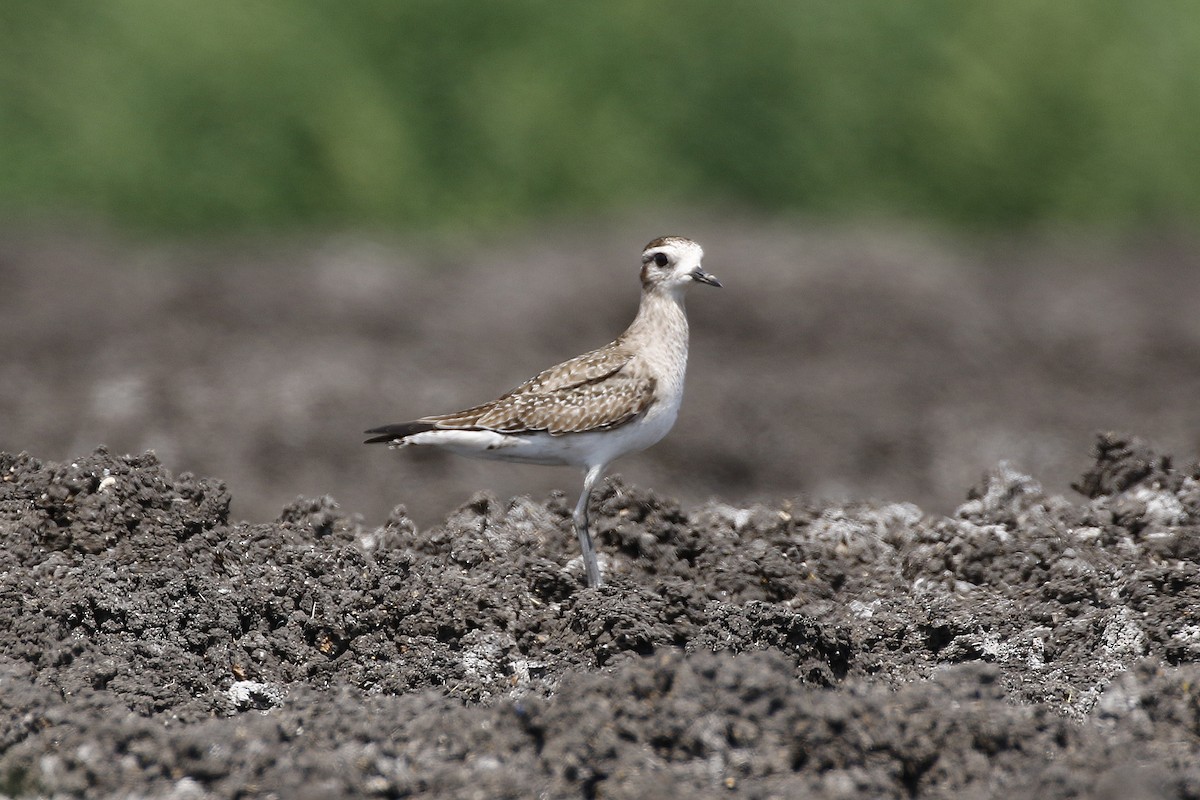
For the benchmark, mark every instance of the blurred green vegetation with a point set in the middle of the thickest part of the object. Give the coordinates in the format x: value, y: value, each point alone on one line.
x: 175, y: 116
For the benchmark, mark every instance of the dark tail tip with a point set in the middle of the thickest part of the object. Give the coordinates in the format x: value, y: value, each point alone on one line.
x: 398, y: 432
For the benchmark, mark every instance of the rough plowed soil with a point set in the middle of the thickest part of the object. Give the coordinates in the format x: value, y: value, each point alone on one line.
x: 979, y: 629
x: 1027, y: 645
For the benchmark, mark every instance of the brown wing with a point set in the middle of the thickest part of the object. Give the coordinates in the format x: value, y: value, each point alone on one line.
x: 590, y: 392
x: 586, y: 368
x: 603, y: 404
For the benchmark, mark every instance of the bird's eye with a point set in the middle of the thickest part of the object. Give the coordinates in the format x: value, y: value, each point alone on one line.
x: 660, y: 259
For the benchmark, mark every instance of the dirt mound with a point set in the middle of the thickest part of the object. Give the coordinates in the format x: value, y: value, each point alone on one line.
x: 1028, y: 643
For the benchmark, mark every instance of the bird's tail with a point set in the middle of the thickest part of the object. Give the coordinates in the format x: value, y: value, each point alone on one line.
x: 396, y: 434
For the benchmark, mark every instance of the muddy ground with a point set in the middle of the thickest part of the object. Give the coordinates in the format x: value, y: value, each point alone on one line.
x: 1026, y: 646
x: 774, y: 632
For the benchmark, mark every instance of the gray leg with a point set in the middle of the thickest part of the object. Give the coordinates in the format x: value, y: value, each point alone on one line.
x: 581, y: 526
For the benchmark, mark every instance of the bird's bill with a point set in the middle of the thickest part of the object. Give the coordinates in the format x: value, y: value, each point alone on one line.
x: 700, y: 276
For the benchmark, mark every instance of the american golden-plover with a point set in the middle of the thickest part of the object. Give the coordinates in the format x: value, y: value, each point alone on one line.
x: 590, y: 410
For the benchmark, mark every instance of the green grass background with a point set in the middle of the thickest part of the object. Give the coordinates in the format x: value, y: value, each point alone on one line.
x: 183, y: 117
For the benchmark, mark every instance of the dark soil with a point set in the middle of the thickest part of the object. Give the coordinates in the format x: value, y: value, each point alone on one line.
x: 1005, y: 640
x: 1026, y: 646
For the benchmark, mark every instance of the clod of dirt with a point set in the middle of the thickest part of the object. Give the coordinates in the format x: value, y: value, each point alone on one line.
x: 1121, y: 463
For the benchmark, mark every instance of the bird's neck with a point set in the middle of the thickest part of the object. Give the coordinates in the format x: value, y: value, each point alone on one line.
x: 660, y: 325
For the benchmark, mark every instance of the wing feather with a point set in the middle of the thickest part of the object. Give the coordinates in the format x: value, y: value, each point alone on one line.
x: 586, y: 368
x: 593, y: 406
x: 595, y: 391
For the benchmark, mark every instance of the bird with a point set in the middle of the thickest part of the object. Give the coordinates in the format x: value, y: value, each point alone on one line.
x: 591, y: 409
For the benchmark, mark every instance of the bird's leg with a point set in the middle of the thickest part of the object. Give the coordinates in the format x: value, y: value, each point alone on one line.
x: 581, y: 526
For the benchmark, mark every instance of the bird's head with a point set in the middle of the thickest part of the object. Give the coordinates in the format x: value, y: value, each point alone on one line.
x: 672, y: 263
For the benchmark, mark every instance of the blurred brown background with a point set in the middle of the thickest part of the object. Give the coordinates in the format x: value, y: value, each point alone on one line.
x: 842, y: 362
